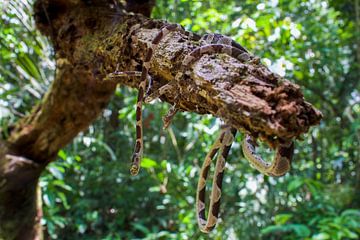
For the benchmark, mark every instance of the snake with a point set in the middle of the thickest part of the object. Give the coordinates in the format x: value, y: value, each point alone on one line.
x: 279, y: 166
x: 284, y: 151
x: 142, y: 91
x: 222, y: 143
x: 215, y: 44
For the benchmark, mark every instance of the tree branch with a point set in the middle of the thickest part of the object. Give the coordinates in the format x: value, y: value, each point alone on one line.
x: 246, y: 95
x: 90, y: 41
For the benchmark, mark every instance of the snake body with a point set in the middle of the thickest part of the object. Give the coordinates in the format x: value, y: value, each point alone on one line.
x: 222, y: 143
x: 282, y: 160
x: 279, y: 166
x: 215, y: 44
x: 139, y: 144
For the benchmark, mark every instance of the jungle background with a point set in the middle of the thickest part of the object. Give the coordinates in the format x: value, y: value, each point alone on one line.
x: 88, y: 192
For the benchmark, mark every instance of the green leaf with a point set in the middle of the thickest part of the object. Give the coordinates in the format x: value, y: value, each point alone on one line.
x: 295, y: 184
x: 141, y: 228
x: 49, y: 199
x: 148, y: 163
x: 273, y: 229
x: 55, y: 171
x: 301, y: 230
x: 59, y: 221
x: 61, y: 184
x: 63, y: 199
x: 154, y: 189
x: 62, y: 154
x: 321, y: 236
x: 281, y: 219
x: 81, y: 228
x: 350, y: 234
x: 351, y: 212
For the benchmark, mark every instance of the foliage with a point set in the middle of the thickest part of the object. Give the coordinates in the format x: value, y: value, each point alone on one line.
x: 316, y: 218
x: 26, y: 66
x: 88, y: 193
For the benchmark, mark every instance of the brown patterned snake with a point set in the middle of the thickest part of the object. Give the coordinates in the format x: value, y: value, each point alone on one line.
x: 283, y: 156
x: 144, y: 76
x: 216, y: 44
x: 222, y: 143
x: 280, y: 165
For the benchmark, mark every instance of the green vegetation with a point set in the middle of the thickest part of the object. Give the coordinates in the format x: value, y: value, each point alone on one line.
x: 88, y: 192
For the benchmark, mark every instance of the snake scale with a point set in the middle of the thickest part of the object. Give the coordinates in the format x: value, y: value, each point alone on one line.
x: 215, y: 44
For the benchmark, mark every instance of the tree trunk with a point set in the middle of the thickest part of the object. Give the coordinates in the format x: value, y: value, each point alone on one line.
x: 91, y: 40
x: 20, y: 212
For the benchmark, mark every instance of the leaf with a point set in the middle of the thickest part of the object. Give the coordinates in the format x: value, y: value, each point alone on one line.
x: 62, y: 184
x: 55, y: 171
x: 141, y: 228
x: 63, y: 199
x: 295, y: 184
x: 49, y: 199
x: 321, y: 236
x: 301, y: 230
x: 62, y: 154
x: 281, y: 219
x: 148, y: 163
x: 59, y: 221
x: 273, y: 229
x: 351, y: 212
x: 154, y: 189
x: 81, y: 228
x: 350, y: 234
x: 161, y: 176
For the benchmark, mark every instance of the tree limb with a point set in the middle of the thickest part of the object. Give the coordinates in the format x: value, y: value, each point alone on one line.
x: 90, y: 42
x: 246, y: 95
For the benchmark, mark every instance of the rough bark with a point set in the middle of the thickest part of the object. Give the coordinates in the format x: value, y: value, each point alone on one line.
x: 20, y: 213
x: 90, y: 40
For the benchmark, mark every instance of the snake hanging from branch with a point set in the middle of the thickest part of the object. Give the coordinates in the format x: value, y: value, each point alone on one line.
x: 215, y: 44
x: 142, y: 93
x: 284, y: 151
x: 280, y: 165
x: 222, y: 143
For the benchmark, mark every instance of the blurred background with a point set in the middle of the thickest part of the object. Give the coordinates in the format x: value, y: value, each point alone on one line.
x: 88, y: 192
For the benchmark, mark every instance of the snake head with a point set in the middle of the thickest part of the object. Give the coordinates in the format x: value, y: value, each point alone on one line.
x: 134, y: 170
x: 135, y: 167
